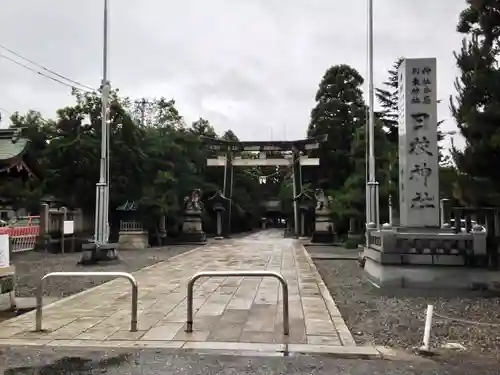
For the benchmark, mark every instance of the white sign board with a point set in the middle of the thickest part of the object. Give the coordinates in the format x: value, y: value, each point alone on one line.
x: 4, y: 251
x: 418, y: 148
x: 69, y: 227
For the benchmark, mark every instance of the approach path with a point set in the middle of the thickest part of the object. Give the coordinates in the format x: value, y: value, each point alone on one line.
x: 231, y: 313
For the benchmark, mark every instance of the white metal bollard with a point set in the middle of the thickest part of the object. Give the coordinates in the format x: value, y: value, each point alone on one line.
x: 427, y: 328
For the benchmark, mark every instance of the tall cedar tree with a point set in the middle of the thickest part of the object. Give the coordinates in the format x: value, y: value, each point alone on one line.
x: 476, y: 107
x: 388, y: 100
x: 339, y: 111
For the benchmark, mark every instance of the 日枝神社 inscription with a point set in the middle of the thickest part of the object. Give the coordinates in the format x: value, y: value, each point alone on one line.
x: 418, y: 149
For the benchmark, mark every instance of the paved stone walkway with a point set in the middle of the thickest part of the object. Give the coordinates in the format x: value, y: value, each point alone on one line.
x: 231, y: 313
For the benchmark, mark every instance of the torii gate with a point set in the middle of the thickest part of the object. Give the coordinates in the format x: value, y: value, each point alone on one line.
x: 296, y: 161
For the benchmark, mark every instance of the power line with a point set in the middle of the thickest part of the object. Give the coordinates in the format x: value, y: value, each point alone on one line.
x: 46, y: 69
x: 5, y: 110
x: 45, y: 75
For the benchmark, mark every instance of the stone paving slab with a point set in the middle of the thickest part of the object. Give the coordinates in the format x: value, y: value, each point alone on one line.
x: 230, y: 312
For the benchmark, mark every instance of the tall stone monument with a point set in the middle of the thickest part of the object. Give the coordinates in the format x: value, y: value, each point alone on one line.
x: 421, y: 253
x: 418, y: 147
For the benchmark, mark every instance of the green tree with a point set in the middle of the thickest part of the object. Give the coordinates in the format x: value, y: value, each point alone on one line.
x: 476, y: 107
x: 349, y: 202
x: 388, y: 99
x: 340, y: 110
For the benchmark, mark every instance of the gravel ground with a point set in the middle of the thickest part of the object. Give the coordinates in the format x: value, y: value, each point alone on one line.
x: 397, y: 319
x: 31, y: 266
x: 24, y: 361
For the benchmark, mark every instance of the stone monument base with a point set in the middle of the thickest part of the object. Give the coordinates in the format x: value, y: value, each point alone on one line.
x: 323, y: 230
x: 431, y: 277
x: 135, y: 240
x: 323, y: 237
x: 94, y: 253
x: 428, y: 258
x: 193, y: 237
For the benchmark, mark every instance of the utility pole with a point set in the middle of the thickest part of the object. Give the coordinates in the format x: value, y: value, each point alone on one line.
x: 372, y: 204
x: 296, y: 188
x: 143, y: 111
x: 102, y: 187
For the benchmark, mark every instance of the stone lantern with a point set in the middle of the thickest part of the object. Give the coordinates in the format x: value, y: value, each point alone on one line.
x: 219, y: 205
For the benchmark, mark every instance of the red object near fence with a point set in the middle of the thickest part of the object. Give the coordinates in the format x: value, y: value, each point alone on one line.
x: 23, y: 238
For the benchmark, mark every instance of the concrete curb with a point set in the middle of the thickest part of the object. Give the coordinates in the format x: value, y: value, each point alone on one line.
x: 217, y: 348
x: 342, y: 329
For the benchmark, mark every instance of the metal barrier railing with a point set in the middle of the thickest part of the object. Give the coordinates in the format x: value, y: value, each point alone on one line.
x: 192, y: 280
x: 129, y: 277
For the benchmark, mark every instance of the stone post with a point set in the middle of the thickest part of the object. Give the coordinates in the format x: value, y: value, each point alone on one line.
x: 352, y: 226
x: 388, y: 239
x: 479, y: 240
x: 78, y: 219
x: 63, y: 219
x: 44, y: 225
x: 163, y: 229
x: 370, y: 227
x: 444, y: 212
x: 219, y: 225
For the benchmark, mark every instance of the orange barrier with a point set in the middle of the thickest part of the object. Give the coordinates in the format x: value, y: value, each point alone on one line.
x: 23, y: 238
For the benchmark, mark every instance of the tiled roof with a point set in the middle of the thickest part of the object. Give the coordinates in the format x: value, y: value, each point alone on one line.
x: 11, y: 144
x: 128, y: 206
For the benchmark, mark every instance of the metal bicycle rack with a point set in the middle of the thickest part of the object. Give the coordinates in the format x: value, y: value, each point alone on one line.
x: 276, y: 275
x: 129, y: 277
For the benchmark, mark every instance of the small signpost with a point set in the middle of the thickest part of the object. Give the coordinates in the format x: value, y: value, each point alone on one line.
x: 68, y: 229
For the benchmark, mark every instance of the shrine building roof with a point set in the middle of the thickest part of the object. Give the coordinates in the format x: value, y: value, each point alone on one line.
x: 12, y: 144
x: 14, y: 153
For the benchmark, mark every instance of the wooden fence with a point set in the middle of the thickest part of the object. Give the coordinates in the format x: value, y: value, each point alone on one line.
x: 131, y: 226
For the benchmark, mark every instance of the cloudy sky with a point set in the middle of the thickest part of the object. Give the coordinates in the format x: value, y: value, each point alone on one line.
x: 249, y: 65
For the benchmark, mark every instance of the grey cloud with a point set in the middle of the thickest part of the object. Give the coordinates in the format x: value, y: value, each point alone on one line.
x: 260, y: 61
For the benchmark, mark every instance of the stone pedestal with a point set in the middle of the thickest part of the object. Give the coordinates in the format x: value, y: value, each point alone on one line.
x: 133, y: 240
x: 432, y: 258
x: 94, y: 253
x: 323, y: 227
x: 192, y: 228
x: 323, y: 231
